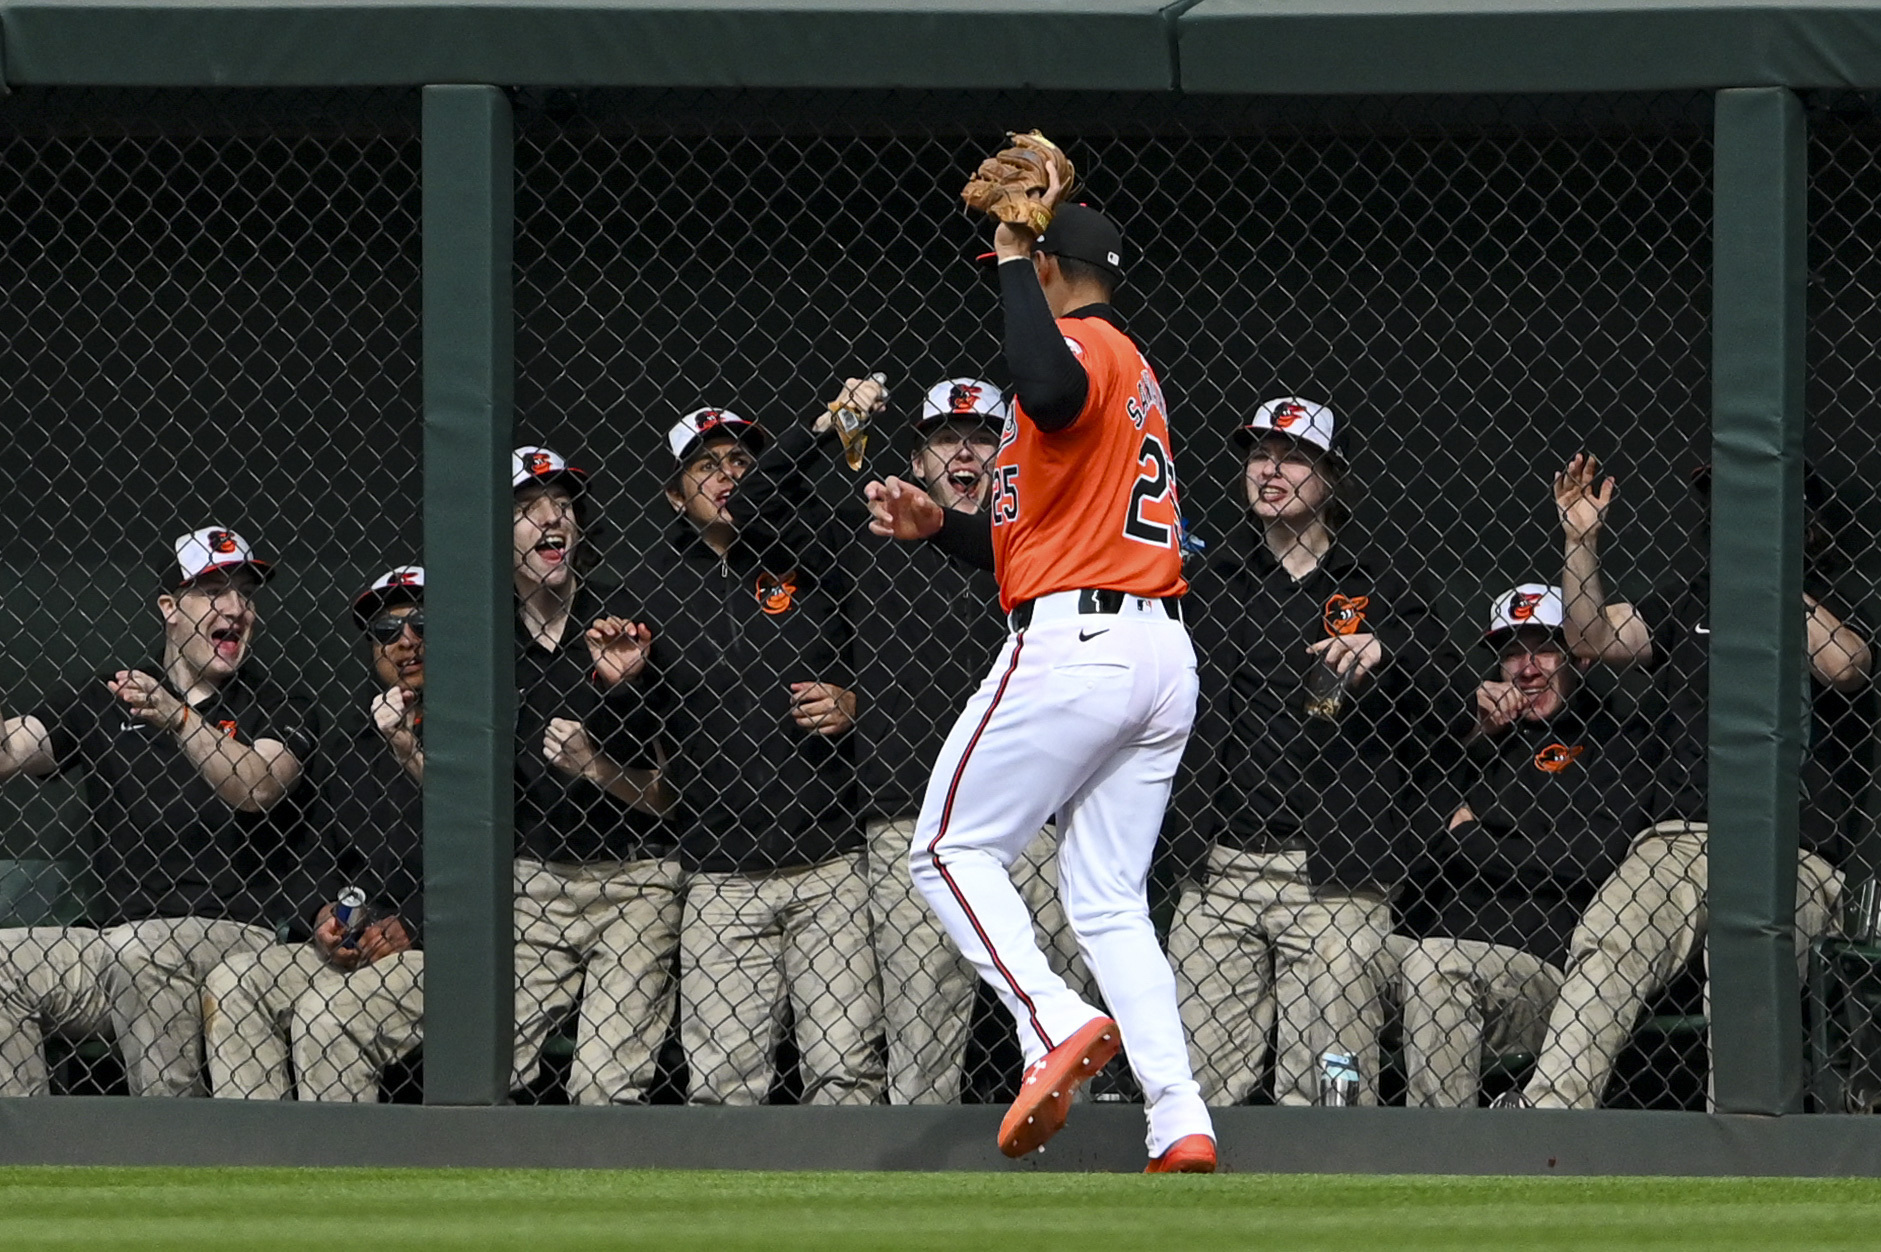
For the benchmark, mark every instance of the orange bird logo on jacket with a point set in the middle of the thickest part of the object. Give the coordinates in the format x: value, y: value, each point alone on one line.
x: 775, y: 593
x: 1345, y: 615
x: 1556, y: 757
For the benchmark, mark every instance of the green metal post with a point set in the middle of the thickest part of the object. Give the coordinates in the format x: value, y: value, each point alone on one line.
x: 1757, y: 681
x: 470, y: 694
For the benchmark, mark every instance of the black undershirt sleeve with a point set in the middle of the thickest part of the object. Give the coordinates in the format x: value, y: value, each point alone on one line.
x: 966, y: 537
x: 1046, y: 375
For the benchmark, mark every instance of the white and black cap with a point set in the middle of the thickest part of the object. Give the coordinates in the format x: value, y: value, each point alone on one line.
x: 210, y: 550
x: 1529, y: 605
x: 1307, y: 421
x: 544, y: 465
x: 404, y: 585
x: 962, y: 400
x: 690, y: 431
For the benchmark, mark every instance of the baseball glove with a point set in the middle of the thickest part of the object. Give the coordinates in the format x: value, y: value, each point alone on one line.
x: 1014, y: 184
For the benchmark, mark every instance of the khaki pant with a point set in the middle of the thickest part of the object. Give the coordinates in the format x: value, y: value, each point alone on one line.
x: 754, y: 945
x: 52, y: 981
x: 1644, y: 925
x: 156, y: 982
x: 1460, y: 998
x: 1257, y: 946
x: 927, y: 986
x: 603, y: 933
x: 342, y: 1028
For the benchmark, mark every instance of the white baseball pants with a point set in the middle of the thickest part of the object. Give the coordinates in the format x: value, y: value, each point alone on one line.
x: 1083, y: 717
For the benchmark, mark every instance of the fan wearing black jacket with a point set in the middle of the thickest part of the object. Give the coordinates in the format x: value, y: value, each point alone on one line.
x: 1550, y: 790
x: 351, y: 1000
x: 1650, y: 918
x: 1316, y: 663
x: 926, y: 629
x: 753, y: 655
x: 598, y: 891
x: 195, y: 768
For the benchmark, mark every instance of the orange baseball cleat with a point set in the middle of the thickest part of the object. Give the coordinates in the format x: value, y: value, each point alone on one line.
x: 1191, y: 1154
x: 1045, y: 1094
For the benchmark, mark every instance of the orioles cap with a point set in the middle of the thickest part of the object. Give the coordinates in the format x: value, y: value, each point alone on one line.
x: 1078, y: 231
x: 1531, y: 604
x: 1082, y: 233
x: 542, y: 465
x: 1307, y: 421
x: 691, y: 430
x: 207, y: 550
x: 962, y: 398
x: 404, y: 585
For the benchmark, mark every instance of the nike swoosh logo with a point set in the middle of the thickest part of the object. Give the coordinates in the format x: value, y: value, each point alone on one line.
x: 1701, y: 630
x: 1084, y: 638
x: 135, y: 726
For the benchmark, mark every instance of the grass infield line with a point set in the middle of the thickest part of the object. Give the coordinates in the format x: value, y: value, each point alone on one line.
x: 55, y: 1208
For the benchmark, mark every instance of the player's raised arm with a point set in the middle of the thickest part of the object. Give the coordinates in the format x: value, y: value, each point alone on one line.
x: 1048, y: 380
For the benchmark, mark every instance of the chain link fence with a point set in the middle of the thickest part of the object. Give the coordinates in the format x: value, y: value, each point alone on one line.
x: 1468, y: 868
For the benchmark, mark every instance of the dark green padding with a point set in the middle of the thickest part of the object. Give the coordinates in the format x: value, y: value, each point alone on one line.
x: 470, y: 689
x: 1756, y: 609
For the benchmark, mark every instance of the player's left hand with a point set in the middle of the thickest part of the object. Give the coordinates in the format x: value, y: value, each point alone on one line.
x: 823, y: 707
x: 1352, y: 657
x: 619, y: 649
x: 864, y: 395
x: 1461, y: 815
x: 901, y: 510
x: 148, y: 700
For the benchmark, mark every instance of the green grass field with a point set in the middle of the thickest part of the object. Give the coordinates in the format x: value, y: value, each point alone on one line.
x: 407, y: 1210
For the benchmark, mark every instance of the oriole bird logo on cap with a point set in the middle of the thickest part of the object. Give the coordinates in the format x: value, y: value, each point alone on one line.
x: 538, y: 463
x: 1556, y: 757
x: 1287, y: 413
x: 962, y: 398
x: 775, y: 593
x: 1522, y: 605
x: 222, y: 542
x: 1345, y: 614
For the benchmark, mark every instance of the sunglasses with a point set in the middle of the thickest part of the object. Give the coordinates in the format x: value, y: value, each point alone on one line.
x: 386, y: 630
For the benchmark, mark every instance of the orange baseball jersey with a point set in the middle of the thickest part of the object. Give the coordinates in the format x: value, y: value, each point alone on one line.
x: 1094, y: 504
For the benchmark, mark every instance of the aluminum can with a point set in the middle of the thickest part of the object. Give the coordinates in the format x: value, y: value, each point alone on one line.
x: 1338, y: 1080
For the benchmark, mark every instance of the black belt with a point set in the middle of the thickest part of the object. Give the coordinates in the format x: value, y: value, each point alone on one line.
x: 1266, y: 843
x: 1098, y: 600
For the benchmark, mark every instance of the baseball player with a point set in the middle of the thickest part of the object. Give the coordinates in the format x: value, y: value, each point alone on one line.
x: 1649, y: 919
x: 192, y: 762
x: 1086, y: 711
x: 350, y: 1000
x: 925, y: 629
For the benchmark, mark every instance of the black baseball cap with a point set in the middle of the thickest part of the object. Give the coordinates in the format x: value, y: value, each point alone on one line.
x: 1082, y: 233
x: 1078, y: 231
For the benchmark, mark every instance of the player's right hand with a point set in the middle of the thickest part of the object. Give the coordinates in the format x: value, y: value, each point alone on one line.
x: 1582, y: 505
x: 901, y: 510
